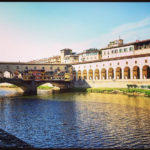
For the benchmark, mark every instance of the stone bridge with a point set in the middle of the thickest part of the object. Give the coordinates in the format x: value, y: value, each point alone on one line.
x: 30, y: 87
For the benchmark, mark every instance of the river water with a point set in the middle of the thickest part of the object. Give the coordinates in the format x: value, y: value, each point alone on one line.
x: 77, y: 120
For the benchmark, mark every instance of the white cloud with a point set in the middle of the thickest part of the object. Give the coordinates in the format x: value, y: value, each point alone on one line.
x: 129, y: 32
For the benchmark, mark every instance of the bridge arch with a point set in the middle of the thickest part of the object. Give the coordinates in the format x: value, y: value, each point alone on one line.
x: 84, y: 74
x: 110, y: 73
x: 118, y: 73
x: 103, y: 73
x: 90, y: 74
x: 127, y: 73
x: 96, y: 74
x: 136, y: 72
x: 146, y: 72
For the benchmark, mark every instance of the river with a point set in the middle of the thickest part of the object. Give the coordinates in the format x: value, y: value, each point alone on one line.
x: 77, y: 120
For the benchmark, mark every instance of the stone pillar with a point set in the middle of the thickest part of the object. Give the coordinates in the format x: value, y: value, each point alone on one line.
x: 141, y: 76
x: 114, y: 74
x: 76, y: 76
x: 93, y: 74
x: 122, y: 73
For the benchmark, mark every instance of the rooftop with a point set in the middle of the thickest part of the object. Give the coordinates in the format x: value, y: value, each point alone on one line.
x: 127, y: 44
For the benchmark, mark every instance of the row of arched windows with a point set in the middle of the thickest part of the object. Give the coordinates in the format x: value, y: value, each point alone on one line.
x: 111, y: 73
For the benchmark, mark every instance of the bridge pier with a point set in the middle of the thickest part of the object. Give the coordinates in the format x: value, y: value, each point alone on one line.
x: 30, y: 89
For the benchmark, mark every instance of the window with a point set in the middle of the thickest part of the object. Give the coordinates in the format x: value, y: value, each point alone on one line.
x: 126, y: 62
x: 116, y: 51
x: 104, y: 53
x: 131, y: 48
x: 27, y: 68
x: 120, y: 50
x: 118, y: 63
x: 17, y: 67
x: 135, y: 62
x: 110, y: 64
x: 125, y: 49
x: 51, y: 68
x: 108, y: 52
x: 43, y: 68
x: 35, y: 68
x: 112, y: 51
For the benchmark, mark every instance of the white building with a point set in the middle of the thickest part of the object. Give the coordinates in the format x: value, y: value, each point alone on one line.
x: 89, y: 55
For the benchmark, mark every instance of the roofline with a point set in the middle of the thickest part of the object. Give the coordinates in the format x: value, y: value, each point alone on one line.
x: 26, y: 63
x: 111, y: 59
x: 126, y: 44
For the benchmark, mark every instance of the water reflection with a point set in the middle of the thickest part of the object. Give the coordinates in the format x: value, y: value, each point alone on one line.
x: 78, y: 120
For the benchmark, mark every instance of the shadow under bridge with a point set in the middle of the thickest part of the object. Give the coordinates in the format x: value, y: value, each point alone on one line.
x: 30, y: 87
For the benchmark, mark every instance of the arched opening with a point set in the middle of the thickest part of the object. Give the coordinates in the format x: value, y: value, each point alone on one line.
x: 1, y: 75
x: 7, y: 74
x: 146, y: 72
x: 110, y: 73
x: 103, y: 74
x: 74, y: 75
x: 10, y: 89
x: 84, y: 74
x: 118, y: 73
x: 97, y: 74
x: 127, y: 73
x: 90, y: 74
x: 46, y: 86
x: 136, y: 72
x: 79, y: 74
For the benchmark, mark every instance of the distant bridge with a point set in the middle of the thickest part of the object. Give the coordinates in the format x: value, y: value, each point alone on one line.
x: 30, y: 87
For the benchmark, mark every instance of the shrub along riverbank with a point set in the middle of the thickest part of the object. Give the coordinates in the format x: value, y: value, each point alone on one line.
x: 129, y: 91
x: 44, y: 87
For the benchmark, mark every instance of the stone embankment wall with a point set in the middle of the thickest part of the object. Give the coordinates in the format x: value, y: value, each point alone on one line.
x: 109, y: 83
x: 9, y: 141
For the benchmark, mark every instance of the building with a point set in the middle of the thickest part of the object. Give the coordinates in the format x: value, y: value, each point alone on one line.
x: 37, y: 61
x: 54, y: 60
x: 50, y: 60
x: 91, y: 54
x: 68, y: 57
x: 119, y: 66
x: 65, y: 52
x: 128, y: 49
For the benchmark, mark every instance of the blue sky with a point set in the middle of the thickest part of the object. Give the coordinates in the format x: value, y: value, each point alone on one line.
x: 39, y: 30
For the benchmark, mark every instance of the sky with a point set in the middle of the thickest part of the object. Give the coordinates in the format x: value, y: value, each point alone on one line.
x: 34, y: 30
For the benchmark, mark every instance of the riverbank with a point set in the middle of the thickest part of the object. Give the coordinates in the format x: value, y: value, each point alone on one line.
x: 128, y: 91
x: 9, y: 141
